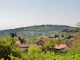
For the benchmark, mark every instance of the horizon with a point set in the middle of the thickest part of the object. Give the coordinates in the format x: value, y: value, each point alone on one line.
x: 18, y: 13
x: 34, y: 25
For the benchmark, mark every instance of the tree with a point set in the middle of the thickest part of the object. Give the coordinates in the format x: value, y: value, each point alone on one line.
x: 16, y: 38
x: 7, y: 48
x: 62, y: 35
x: 56, y: 35
x: 78, y: 26
x: 12, y: 34
x: 34, y: 52
x: 46, y: 46
x: 50, y: 44
x: 69, y: 37
x: 15, y: 34
x: 75, y: 45
x: 77, y: 37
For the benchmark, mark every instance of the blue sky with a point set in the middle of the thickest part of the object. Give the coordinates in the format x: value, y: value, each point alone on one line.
x: 23, y: 13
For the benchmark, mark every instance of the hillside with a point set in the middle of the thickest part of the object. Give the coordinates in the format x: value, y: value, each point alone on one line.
x: 37, y: 30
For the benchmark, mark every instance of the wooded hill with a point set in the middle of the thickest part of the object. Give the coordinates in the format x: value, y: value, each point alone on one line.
x: 37, y: 30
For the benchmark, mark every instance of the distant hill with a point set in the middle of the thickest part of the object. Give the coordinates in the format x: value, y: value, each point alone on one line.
x: 37, y: 30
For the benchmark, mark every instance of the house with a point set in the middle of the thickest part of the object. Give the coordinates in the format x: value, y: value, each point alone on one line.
x: 61, y: 47
x: 24, y: 47
x: 57, y: 48
x: 42, y: 41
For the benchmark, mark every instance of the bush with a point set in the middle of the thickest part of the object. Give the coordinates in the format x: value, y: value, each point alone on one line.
x: 34, y: 52
x: 7, y: 47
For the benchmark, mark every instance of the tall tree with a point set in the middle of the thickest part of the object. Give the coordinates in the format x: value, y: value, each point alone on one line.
x: 78, y: 29
x: 12, y: 34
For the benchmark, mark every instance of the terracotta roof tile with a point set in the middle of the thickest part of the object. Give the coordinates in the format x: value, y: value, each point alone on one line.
x: 25, y: 45
x: 60, y: 46
x: 46, y: 40
x: 40, y: 46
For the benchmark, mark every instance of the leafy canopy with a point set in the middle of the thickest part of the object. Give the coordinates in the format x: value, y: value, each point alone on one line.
x: 7, y: 48
x: 51, y: 43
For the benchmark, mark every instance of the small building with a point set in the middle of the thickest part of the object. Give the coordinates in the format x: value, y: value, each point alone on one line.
x: 42, y: 41
x: 61, y: 47
x: 24, y: 47
x: 57, y: 48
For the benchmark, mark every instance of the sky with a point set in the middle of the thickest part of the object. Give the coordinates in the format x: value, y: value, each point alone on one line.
x: 23, y: 13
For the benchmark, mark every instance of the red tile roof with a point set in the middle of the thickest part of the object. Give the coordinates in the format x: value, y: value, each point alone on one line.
x: 25, y: 45
x: 60, y: 46
x: 71, y: 38
x: 46, y: 40
x: 40, y: 46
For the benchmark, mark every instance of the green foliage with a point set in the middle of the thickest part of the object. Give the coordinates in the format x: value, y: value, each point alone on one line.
x: 16, y: 38
x: 59, y: 57
x: 12, y: 58
x: 7, y: 47
x: 9, y: 51
x: 56, y: 35
x: 69, y: 36
x: 46, y: 46
x: 62, y: 35
x: 76, y: 49
x: 39, y: 56
x: 35, y: 31
x: 34, y: 52
x: 50, y: 44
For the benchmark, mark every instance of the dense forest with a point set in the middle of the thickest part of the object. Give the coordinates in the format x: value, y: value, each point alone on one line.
x: 37, y: 30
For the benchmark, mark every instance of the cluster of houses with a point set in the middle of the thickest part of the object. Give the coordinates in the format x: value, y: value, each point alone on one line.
x: 24, y: 46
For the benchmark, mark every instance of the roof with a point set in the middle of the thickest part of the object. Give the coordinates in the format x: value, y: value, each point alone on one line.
x: 25, y: 45
x: 17, y: 42
x: 51, y: 36
x: 60, y: 46
x: 71, y: 38
x: 46, y: 40
x: 40, y: 46
x: 61, y: 38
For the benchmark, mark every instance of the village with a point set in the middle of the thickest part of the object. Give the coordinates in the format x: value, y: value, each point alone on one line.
x: 45, y: 47
x: 64, y: 44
